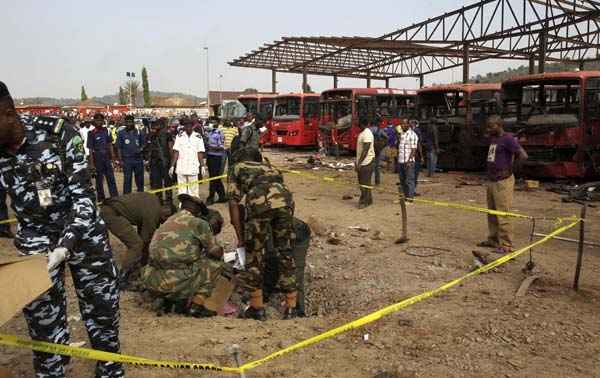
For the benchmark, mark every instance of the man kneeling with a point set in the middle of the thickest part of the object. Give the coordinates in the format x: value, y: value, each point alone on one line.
x: 186, y: 262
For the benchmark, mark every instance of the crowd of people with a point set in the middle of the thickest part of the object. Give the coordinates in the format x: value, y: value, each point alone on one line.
x: 172, y: 251
x: 46, y: 169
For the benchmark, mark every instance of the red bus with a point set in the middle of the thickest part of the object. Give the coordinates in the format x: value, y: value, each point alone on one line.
x: 296, y: 120
x: 556, y: 117
x: 459, y: 112
x: 341, y: 110
x: 261, y: 104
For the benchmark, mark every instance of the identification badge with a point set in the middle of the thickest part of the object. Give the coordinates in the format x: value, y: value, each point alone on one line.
x: 44, y: 195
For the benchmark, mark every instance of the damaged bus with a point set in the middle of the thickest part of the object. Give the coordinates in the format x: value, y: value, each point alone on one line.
x: 296, y: 120
x: 341, y: 110
x: 459, y: 112
x: 556, y: 118
x: 261, y: 104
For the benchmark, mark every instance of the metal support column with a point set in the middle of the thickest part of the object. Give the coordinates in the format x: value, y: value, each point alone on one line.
x: 273, y: 81
x: 531, y: 65
x: 582, y: 66
x: 421, y: 81
x: 466, y: 63
x: 543, y: 47
x: 304, y: 82
x: 387, y: 83
x: 369, y: 80
x: 335, y: 81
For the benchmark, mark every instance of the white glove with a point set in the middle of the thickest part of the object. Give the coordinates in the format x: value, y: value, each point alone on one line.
x: 204, y: 171
x: 172, y: 171
x: 56, y: 257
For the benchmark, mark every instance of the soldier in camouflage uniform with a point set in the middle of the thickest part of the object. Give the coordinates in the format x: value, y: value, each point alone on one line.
x: 185, y: 258
x: 268, y: 208
x: 44, y: 170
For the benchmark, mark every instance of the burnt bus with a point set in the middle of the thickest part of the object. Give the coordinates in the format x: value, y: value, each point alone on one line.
x: 459, y: 112
x: 556, y: 118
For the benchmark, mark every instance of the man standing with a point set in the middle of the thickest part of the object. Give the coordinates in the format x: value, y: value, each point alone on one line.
x: 188, y: 154
x: 268, y: 208
x: 133, y: 218
x: 159, y: 145
x: 130, y: 142
x: 249, y: 133
x: 230, y: 131
x: 214, y: 161
x: 503, y: 151
x: 365, y: 156
x: 432, y: 147
x: 44, y: 170
x: 414, y: 125
x: 407, y: 152
x: 99, y: 143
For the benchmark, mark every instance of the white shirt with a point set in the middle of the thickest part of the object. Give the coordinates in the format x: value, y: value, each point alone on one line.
x: 365, y: 136
x: 188, y: 148
x: 409, y: 141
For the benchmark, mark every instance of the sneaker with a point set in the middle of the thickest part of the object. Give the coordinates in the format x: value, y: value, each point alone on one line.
x: 254, y: 313
x: 199, y: 311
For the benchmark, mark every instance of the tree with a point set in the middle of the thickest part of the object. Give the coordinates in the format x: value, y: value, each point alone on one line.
x: 146, y: 88
x: 132, y: 91
x: 250, y: 91
x: 83, y: 94
x: 122, y: 96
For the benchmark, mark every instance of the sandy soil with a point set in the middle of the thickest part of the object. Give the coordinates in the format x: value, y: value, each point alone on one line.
x: 478, y: 329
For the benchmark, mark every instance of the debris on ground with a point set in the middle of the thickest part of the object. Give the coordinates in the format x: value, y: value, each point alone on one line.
x: 360, y: 228
x: 586, y: 192
x: 316, y: 226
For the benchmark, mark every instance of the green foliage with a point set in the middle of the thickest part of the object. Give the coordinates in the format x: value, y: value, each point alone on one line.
x: 498, y: 77
x: 146, y: 88
x: 122, y: 96
x: 83, y: 94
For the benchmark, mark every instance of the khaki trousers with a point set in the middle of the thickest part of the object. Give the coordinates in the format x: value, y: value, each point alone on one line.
x: 127, y: 234
x: 500, y: 197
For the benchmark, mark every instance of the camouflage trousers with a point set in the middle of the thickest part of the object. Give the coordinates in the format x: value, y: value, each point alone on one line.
x: 183, y: 283
x: 95, y: 280
x: 279, y: 222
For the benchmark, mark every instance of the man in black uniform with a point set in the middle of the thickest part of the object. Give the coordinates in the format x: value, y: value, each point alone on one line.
x: 44, y: 171
x: 159, y: 145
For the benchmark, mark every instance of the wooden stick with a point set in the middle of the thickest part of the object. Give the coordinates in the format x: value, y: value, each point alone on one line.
x: 580, y: 249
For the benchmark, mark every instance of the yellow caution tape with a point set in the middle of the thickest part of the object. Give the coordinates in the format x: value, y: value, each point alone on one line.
x: 98, y: 355
x: 197, y: 182
x: 105, y: 356
x: 405, y: 303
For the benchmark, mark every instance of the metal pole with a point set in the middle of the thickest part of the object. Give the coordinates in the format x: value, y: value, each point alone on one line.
x: 421, y: 81
x: 387, y: 83
x: 273, y: 81
x: 542, y: 58
x: 582, y: 65
x: 304, y: 81
x: 466, y: 63
x: 404, y: 238
x: 207, y: 81
x: 532, y: 65
x: 568, y: 240
x: 580, y: 248
x: 369, y: 80
x: 335, y: 81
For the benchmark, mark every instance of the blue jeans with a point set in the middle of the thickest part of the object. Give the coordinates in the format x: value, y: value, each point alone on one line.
x: 407, y: 178
x: 104, y: 169
x: 431, y: 162
x: 130, y: 168
x: 376, y: 168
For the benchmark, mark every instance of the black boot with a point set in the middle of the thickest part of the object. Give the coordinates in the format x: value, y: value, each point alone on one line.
x: 254, y: 313
x: 199, y: 311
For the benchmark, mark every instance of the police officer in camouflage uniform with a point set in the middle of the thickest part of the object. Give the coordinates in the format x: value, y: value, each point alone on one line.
x: 185, y: 259
x: 44, y: 170
x: 268, y: 208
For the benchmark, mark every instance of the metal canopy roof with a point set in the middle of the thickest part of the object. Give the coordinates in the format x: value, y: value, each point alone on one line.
x: 488, y: 29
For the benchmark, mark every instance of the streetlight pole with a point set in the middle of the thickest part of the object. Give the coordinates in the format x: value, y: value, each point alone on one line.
x: 221, y: 89
x: 207, y: 81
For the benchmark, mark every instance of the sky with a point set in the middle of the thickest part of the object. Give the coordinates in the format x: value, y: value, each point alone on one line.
x: 52, y: 50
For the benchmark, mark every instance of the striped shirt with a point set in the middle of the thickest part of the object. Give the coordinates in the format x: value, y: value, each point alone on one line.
x: 229, y: 133
x: 408, y: 141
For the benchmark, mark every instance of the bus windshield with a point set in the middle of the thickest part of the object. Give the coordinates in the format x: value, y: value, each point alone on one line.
x: 287, y: 108
x: 250, y: 104
x: 336, y: 109
x: 442, y: 104
x: 538, y: 103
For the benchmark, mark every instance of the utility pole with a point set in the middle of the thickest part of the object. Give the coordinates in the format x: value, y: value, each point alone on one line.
x: 207, y: 80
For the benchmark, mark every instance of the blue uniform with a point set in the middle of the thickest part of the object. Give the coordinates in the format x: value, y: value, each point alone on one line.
x: 130, y: 144
x: 51, y: 193
x: 99, y: 142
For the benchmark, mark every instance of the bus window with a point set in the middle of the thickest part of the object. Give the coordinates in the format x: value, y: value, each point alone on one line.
x: 311, y: 108
x: 592, y: 99
x: 266, y: 109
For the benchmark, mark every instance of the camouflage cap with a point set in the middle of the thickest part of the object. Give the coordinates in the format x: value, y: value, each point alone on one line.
x: 186, y: 198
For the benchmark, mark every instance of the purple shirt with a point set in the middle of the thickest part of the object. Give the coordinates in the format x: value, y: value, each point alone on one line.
x: 501, y: 156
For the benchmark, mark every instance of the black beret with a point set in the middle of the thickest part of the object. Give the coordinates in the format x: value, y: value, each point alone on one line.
x: 3, y: 90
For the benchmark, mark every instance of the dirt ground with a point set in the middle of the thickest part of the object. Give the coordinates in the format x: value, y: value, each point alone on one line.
x: 477, y: 329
